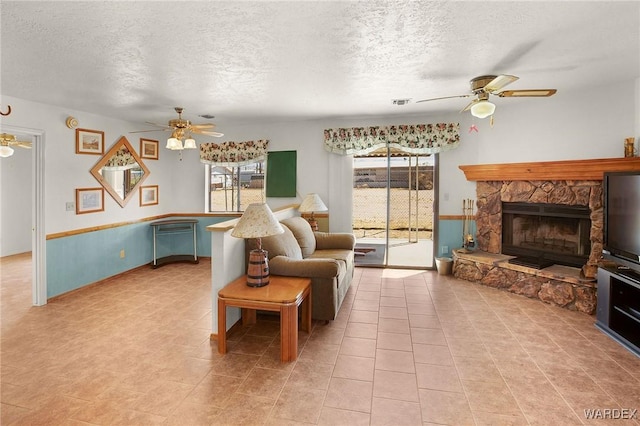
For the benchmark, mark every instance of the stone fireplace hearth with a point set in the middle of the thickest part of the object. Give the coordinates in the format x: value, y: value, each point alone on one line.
x: 562, y: 183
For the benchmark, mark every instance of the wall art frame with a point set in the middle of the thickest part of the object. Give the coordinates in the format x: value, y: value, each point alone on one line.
x: 149, y: 148
x: 148, y: 195
x: 121, y: 171
x: 89, y: 142
x: 89, y: 200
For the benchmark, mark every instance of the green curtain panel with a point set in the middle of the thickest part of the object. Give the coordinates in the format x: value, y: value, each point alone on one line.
x: 281, y: 174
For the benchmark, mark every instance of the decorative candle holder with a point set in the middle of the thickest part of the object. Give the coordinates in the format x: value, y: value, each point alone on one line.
x: 629, y: 147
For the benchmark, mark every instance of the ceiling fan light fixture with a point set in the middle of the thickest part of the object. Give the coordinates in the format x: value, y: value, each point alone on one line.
x: 174, y: 143
x: 6, y: 151
x: 483, y: 109
x: 190, y: 143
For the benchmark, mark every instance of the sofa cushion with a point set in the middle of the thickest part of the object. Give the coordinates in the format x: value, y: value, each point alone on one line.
x: 345, y: 256
x: 311, y: 268
x: 284, y: 244
x: 303, y: 233
x: 335, y: 240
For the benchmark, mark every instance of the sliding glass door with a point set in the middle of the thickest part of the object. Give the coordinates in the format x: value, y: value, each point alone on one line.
x: 393, y: 216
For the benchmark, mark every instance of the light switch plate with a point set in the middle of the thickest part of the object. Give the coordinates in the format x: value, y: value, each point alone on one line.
x: 71, y: 206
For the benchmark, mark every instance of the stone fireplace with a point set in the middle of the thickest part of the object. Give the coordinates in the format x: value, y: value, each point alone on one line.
x: 560, y: 199
x: 572, y: 248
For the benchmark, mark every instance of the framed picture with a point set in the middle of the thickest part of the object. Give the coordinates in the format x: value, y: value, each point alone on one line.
x: 89, y: 142
x: 148, y: 149
x: 148, y: 195
x: 89, y: 200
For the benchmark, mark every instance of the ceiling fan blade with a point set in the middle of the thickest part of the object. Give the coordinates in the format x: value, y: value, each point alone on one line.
x: 468, y: 107
x: 444, y: 97
x: 208, y: 133
x: 159, y: 125
x: 525, y: 93
x: 21, y: 144
x: 499, y: 82
x: 154, y: 130
x: 203, y: 126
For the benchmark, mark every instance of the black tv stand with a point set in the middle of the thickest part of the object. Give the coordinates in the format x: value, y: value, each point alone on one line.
x: 629, y: 273
x: 618, y: 313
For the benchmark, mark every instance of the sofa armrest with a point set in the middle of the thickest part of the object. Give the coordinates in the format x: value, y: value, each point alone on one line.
x: 335, y: 240
x: 308, y: 268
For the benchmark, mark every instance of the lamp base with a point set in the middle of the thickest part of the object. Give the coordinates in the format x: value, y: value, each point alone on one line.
x: 314, y: 223
x: 258, y: 270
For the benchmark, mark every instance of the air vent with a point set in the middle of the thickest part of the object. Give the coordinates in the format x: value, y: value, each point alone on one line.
x: 207, y: 116
x: 401, y: 102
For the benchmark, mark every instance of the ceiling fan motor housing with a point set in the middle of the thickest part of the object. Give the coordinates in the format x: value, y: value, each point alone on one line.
x: 478, y: 84
x: 179, y: 123
x: 6, y: 138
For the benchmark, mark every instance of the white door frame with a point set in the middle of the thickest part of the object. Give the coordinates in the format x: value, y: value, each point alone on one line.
x: 38, y: 236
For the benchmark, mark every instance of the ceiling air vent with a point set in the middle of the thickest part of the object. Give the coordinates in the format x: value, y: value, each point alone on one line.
x: 400, y: 101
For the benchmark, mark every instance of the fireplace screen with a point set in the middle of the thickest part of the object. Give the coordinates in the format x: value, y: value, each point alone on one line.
x: 545, y: 234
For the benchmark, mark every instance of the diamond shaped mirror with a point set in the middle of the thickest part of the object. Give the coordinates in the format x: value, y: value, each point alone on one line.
x: 120, y: 171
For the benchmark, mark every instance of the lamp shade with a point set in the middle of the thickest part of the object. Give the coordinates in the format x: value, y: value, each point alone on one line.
x: 312, y: 203
x: 482, y: 109
x: 174, y: 143
x: 190, y: 143
x: 257, y: 221
x: 6, y: 151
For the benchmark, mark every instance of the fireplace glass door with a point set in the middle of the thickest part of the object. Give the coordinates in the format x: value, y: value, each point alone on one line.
x: 549, y: 233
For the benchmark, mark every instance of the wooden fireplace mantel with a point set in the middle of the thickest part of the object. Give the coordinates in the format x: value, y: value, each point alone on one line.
x: 550, y: 170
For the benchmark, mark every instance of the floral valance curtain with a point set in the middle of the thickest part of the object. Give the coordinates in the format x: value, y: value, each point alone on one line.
x: 233, y: 154
x: 121, y: 160
x: 410, y: 139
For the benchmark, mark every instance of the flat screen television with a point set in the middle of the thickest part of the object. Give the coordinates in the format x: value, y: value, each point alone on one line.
x: 622, y: 218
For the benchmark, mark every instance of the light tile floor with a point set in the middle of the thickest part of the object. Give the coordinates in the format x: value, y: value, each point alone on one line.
x: 408, y: 348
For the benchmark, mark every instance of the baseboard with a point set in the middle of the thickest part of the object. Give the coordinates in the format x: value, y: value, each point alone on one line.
x: 235, y: 327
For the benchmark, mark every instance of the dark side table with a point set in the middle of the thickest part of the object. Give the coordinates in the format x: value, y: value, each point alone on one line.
x: 174, y: 226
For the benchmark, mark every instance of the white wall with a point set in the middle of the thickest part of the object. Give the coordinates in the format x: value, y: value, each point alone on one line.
x: 637, y: 115
x: 16, y: 200
x: 566, y: 126
x: 65, y: 170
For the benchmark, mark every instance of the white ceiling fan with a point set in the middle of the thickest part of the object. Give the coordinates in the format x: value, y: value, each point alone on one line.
x: 484, y: 86
x: 7, y: 141
x: 182, y: 129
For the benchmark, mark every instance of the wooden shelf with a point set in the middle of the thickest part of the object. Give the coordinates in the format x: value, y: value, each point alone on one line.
x: 550, y: 170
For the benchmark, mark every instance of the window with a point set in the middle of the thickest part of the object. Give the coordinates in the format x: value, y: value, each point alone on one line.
x: 232, y: 189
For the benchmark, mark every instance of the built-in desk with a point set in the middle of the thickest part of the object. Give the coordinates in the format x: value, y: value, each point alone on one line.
x: 174, y: 226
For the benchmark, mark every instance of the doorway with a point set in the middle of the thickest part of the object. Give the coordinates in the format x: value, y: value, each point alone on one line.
x: 38, y: 236
x: 393, y: 209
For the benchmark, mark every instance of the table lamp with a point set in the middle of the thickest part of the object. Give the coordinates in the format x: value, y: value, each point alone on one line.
x: 312, y: 203
x: 257, y: 221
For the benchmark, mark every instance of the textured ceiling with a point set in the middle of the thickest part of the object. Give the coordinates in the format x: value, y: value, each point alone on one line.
x: 268, y: 60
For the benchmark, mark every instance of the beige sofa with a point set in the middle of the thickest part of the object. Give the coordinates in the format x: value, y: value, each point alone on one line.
x: 326, y: 258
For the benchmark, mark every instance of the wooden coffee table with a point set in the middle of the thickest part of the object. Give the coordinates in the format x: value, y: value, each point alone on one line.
x: 282, y: 294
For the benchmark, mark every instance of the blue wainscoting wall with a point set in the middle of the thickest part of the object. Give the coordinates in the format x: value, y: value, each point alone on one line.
x: 449, y: 234
x: 79, y: 260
